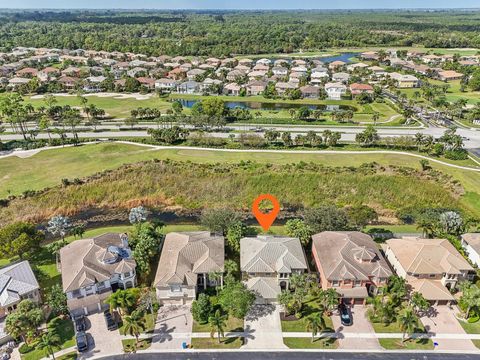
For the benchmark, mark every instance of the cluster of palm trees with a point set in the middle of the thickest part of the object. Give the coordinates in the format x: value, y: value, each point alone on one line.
x: 20, y: 116
x: 393, y: 303
x: 132, y: 304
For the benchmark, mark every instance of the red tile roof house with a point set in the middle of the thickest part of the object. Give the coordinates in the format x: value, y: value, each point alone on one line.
x: 148, y: 82
x: 28, y: 72
x: 351, y: 263
x: 357, y: 89
x: 449, y: 75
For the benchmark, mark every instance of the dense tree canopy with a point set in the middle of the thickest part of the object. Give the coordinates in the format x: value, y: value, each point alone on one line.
x: 221, y: 33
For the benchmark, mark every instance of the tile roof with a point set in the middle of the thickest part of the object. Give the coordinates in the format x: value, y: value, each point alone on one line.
x: 271, y: 254
x: 89, y: 261
x: 349, y: 255
x: 186, y: 254
x: 15, y: 281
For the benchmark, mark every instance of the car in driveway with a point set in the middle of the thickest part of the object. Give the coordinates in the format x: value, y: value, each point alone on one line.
x: 82, y: 341
x: 80, y: 324
x: 345, y: 315
x: 110, y: 321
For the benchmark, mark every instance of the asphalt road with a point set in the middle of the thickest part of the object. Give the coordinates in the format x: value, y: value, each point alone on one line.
x: 244, y: 355
x: 472, y: 137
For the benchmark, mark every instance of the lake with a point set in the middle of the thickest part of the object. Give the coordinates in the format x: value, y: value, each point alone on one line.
x: 256, y: 105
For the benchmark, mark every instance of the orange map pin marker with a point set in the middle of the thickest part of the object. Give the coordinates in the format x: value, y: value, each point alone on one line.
x: 266, y: 220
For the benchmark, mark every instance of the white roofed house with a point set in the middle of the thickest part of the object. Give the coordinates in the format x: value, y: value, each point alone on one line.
x: 94, y: 83
x: 335, y: 90
x: 17, y: 282
x: 165, y: 84
x: 92, y: 269
x: 267, y: 262
x: 471, y: 244
x: 232, y: 89
x: 186, y: 261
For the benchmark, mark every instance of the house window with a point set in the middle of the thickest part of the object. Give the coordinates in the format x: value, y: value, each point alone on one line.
x: 76, y: 293
x: 176, y: 288
x: 432, y: 275
x: 335, y: 283
x: 357, y: 283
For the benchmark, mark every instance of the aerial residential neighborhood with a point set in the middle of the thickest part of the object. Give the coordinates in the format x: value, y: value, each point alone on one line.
x: 199, y: 180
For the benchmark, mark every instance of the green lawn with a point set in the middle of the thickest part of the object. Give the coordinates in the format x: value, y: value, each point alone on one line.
x: 232, y: 325
x: 129, y: 345
x: 476, y: 343
x: 70, y: 356
x: 209, y: 343
x: 397, y: 344
x: 381, y: 328
x: 470, y: 328
x: 64, y: 328
x: 403, y: 228
x: 306, y: 343
x: 310, y: 306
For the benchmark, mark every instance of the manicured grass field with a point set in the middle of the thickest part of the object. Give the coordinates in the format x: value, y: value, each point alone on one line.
x: 397, y: 344
x: 129, y: 345
x: 310, y: 306
x: 404, y: 228
x: 470, y: 328
x: 209, y: 343
x: 64, y: 329
x: 306, y: 343
x: 232, y: 325
x: 70, y: 356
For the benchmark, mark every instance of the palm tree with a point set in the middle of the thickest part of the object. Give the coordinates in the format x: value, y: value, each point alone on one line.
x: 375, y: 117
x: 408, y: 322
x: 315, y: 324
x: 49, y: 341
x: 123, y: 300
x: 418, y: 302
x: 329, y: 299
x: 134, y: 324
x: 217, y: 323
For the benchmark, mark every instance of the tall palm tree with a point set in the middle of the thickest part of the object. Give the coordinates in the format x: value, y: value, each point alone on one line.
x: 49, y: 341
x: 418, y: 302
x: 329, y: 299
x: 134, y: 324
x: 408, y: 322
x: 123, y: 300
x: 315, y: 324
x: 217, y: 324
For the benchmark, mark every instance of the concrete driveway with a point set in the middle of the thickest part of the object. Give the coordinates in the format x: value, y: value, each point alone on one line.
x: 361, y: 325
x: 442, y: 320
x: 102, y: 342
x: 173, y: 327
x: 263, y: 328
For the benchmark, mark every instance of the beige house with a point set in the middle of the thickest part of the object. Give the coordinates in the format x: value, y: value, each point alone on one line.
x: 351, y: 263
x: 185, y: 264
x: 267, y: 262
x: 92, y: 269
x: 430, y: 266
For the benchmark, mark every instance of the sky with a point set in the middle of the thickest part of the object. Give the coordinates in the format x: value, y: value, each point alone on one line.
x: 235, y: 4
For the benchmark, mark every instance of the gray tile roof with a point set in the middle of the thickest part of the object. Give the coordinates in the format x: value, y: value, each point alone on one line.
x: 271, y: 254
x: 349, y: 255
x: 265, y: 287
x: 186, y: 254
x: 15, y: 281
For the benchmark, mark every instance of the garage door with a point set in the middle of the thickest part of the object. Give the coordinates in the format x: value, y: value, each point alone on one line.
x: 347, y: 301
x: 358, y: 301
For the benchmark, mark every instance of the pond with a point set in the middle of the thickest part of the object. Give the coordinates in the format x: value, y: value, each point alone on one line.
x: 256, y: 105
x: 345, y: 57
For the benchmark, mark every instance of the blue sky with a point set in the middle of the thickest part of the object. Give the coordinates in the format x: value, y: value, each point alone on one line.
x: 235, y: 4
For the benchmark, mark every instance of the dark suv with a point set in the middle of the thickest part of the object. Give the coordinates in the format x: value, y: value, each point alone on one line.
x: 82, y: 342
x: 110, y: 321
x: 345, y: 315
x: 80, y: 324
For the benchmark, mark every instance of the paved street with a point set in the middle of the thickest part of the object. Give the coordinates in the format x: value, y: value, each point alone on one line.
x: 263, y: 328
x: 472, y: 137
x: 361, y: 325
x: 290, y: 355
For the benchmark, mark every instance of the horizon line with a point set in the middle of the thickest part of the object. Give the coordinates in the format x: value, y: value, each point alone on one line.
x: 246, y: 9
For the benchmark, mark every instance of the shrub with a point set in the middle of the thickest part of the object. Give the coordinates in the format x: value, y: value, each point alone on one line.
x: 24, y: 348
x: 473, y: 319
x: 460, y: 154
